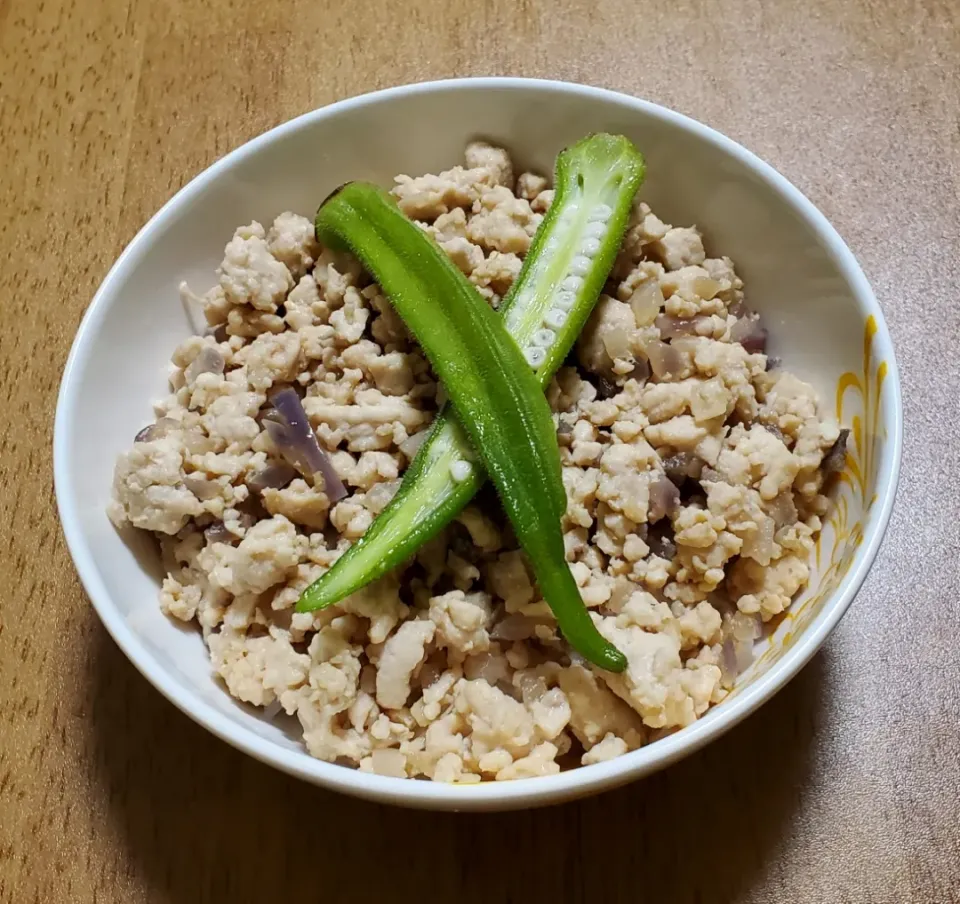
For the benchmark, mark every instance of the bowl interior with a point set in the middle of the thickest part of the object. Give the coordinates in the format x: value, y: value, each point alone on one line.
x: 800, y: 282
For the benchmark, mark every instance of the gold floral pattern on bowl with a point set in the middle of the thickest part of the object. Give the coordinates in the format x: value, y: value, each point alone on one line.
x: 853, y: 493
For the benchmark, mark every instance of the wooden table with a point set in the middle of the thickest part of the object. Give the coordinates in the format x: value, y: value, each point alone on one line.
x: 846, y: 788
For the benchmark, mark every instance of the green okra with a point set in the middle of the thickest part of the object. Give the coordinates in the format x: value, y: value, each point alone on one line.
x: 492, y: 390
x: 561, y: 279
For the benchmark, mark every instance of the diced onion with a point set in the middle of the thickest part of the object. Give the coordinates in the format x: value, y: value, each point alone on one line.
x: 193, y: 309
x: 738, y: 635
x: 294, y: 438
x: 274, y: 476
x: 750, y: 334
x: 411, y: 445
x: 388, y: 761
x: 783, y: 510
x: 646, y: 301
x: 665, y: 360
x: 759, y: 545
x: 664, y: 498
x: 675, y: 327
x: 617, y: 343
x: 201, y: 487
x: 208, y: 361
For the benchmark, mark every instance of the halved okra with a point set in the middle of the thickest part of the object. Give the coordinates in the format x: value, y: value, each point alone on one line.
x: 561, y: 279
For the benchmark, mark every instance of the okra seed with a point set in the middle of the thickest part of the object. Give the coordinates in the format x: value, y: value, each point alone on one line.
x: 590, y: 246
x: 544, y: 338
x: 595, y: 230
x: 556, y: 318
x: 564, y: 300
x: 535, y: 356
x: 601, y: 213
x: 460, y: 470
x: 572, y: 284
x: 580, y: 265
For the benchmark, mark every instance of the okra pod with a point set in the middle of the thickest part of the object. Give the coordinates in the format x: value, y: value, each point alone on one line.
x: 561, y: 278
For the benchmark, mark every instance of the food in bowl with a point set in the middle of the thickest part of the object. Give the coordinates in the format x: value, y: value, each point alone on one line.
x: 694, y: 472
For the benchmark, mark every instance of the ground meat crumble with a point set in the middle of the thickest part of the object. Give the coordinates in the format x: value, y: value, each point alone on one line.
x: 694, y: 481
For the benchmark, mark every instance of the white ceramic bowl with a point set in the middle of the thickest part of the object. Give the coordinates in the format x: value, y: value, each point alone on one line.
x: 824, y: 322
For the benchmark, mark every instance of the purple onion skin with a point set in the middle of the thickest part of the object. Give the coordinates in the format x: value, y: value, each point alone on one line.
x: 664, y: 499
x: 209, y: 361
x: 756, y: 343
x: 675, y: 327
x: 155, y: 431
x: 729, y: 658
x: 274, y: 476
x: 290, y: 430
x: 750, y: 334
x: 682, y: 465
x: 641, y: 370
x: 836, y: 457
x: 218, y: 533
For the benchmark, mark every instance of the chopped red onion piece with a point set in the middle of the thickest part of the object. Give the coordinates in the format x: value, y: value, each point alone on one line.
x: 783, y: 510
x: 272, y: 710
x: 274, y: 476
x: 378, y: 498
x: 646, y: 302
x: 507, y: 687
x: 641, y: 370
x: 665, y: 361
x: 682, y: 465
x: 737, y: 638
x: 218, y: 533
x: 729, y: 668
x: 675, y: 327
x: 247, y: 519
x: 156, y: 431
x: 490, y: 667
x: 515, y: 627
x: 193, y: 309
x: 836, y: 457
x: 290, y: 430
x: 664, y: 498
x: 750, y: 334
x: 196, y: 442
x: 710, y: 475
x: 208, y: 361
x: 759, y: 544
x: 201, y: 487
x: 411, y: 445
x: 616, y: 342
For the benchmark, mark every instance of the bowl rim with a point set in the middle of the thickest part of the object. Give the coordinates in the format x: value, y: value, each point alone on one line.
x: 518, y: 793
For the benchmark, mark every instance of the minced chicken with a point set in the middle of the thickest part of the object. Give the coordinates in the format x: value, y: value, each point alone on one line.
x: 693, y: 469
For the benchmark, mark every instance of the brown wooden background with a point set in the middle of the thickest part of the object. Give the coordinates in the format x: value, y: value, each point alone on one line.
x: 846, y: 788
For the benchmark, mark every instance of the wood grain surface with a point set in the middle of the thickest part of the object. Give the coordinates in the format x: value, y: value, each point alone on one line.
x: 845, y: 788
